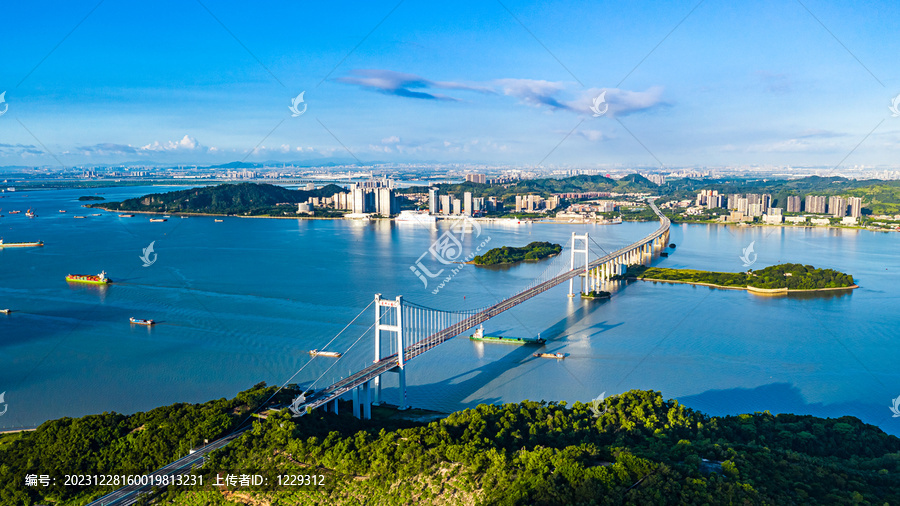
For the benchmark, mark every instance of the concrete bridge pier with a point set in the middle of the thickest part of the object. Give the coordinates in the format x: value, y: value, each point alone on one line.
x: 362, y: 402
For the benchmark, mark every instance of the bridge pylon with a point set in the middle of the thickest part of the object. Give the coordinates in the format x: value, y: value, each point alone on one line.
x: 584, y: 279
x: 389, y: 318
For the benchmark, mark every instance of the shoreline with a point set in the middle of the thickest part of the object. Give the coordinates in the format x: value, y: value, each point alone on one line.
x: 753, y: 290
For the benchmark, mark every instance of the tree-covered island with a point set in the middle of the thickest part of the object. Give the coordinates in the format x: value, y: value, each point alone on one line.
x: 248, y: 199
x: 783, y: 277
x: 537, y: 250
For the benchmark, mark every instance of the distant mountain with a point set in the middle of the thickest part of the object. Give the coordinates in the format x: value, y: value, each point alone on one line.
x: 240, y: 198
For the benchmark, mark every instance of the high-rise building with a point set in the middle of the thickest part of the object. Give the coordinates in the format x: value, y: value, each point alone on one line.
x: 743, y: 206
x: 358, y: 200
x: 815, y: 204
x: 477, y: 205
x: 755, y: 210
x: 385, y: 201
x: 855, y: 207
x: 837, y: 206
x: 433, y: 201
x: 519, y: 203
x: 445, y: 204
x: 793, y: 204
x: 493, y: 205
x: 467, y: 203
x: 457, y: 206
x: 476, y: 178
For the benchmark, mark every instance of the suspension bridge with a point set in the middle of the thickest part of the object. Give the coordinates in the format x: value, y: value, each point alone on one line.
x: 414, y: 329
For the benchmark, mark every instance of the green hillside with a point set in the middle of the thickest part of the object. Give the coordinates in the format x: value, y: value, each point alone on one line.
x: 633, y: 448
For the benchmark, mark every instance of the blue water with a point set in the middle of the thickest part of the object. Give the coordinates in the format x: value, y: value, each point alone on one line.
x: 242, y: 301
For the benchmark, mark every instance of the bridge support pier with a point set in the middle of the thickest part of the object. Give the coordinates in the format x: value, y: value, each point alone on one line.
x: 585, y: 280
x: 393, y: 316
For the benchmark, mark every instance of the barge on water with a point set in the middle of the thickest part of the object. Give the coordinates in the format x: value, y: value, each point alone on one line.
x: 99, y: 279
x: 479, y: 336
x: 20, y: 244
x: 319, y: 353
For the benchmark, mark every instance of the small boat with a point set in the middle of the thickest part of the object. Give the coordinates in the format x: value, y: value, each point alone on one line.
x: 317, y: 353
x: 664, y: 254
x: 20, y: 244
x: 126, y: 216
x: 184, y: 217
x: 99, y: 279
x: 167, y: 216
x: 138, y: 321
x: 5, y: 311
x: 80, y: 217
x: 96, y: 214
x: 479, y: 336
x: 63, y: 211
x: 157, y: 220
x: 219, y: 221
x: 30, y: 213
x: 15, y: 212
x: 550, y: 355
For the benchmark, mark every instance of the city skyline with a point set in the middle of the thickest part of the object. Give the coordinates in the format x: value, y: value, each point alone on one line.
x: 691, y: 84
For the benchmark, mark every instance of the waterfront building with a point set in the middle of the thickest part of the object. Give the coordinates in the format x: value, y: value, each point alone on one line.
x: 519, y: 204
x: 743, y: 206
x: 815, y: 204
x: 477, y: 205
x: 755, y: 210
x: 457, y: 207
x: 445, y: 204
x: 837, y: 206
x: 793, y: 204
x: 855, y: 207
x: 433, y: 201
x: 467, y: 203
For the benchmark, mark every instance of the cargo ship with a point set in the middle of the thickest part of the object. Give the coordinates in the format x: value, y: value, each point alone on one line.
x: 99, y: 279
x: 138, y: 321
x: 550, y: 355
x: 126, y: 216
x: 479, y: 336
x: 20, y: 244
x: 317, y: 353
x: 157, y: 220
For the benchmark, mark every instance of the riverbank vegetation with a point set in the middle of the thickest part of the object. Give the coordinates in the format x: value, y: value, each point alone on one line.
x: 789, y: 276
x: 534, y: 251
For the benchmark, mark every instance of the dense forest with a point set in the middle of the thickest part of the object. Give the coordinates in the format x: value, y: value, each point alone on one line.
x: 633, y: 448
x: 790, y: 276
x: 534, y: 251
x: 240, y: 198
x: 114, y: 443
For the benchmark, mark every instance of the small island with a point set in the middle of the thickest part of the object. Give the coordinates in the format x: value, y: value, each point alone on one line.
x: 89, y: 197
x: 244, y: 199
x: 781, y: 278
x: 510, y: 255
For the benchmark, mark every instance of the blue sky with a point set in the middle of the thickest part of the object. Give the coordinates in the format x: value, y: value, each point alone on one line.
x: 719, y: 83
